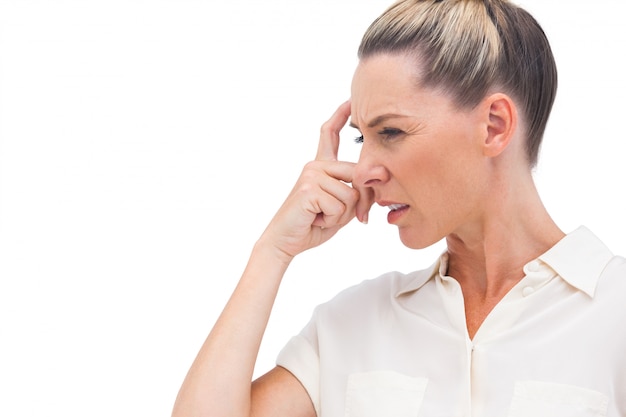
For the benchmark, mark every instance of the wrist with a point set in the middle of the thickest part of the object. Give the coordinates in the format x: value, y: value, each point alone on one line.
x: 268, y: 251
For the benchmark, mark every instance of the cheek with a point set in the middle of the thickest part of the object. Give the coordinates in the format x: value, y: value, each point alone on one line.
x: 428, y: 168
x: 459, y: 158
x: 445, y: 177
x: 423, y: 182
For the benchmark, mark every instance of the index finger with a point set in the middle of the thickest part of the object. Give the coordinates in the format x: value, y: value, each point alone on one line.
x: 328, y: 147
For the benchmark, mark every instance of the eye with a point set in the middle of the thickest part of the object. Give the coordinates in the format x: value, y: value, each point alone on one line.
x: 389, y: 133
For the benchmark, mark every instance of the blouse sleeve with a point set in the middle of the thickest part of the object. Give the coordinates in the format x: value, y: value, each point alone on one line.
x: 300, y: 356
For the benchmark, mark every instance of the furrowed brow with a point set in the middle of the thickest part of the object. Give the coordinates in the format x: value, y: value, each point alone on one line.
x: 379, y: 120
x: 383, y: 118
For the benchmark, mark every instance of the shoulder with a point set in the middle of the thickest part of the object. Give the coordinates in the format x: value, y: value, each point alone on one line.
x: 613, y: 275
x: 617, y: 265
x: 377, y: 294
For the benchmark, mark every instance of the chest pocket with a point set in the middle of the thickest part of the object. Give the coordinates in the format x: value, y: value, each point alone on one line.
x: 544, y: 399
x: 384, y: 394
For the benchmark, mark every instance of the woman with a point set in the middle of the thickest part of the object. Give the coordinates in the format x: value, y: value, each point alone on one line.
x: 516, y: 318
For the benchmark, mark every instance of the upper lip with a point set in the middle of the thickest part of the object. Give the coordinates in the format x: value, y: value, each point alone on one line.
x: 391, y: 204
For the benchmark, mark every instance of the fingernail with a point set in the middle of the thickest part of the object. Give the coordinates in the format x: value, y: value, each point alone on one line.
x: 365, y: 218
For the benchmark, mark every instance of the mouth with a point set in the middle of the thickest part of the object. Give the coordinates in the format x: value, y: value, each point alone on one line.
x: 396, y: 211
x: 395, y: 207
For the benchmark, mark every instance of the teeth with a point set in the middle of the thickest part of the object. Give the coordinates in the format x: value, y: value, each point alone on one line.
x: 394, y: 207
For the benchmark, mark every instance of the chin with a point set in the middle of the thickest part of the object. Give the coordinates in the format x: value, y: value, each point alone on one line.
x: 413, y: 240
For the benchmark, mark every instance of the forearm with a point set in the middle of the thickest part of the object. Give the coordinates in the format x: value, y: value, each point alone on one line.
x: 218, y: 383
x: 322, y: 202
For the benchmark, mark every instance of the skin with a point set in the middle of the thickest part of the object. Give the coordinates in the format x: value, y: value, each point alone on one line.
x: 463, y: 172
x: 459, y: 174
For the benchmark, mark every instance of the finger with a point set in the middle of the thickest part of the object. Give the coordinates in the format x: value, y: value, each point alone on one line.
x: 344, y: 171
x: 332, y: 211
x: 327, y: 197
x: 328, y: 147
x: 339, y: 170
x: 338, y: 176
x: 332, y: 201
x: 364, y: 204
x: 341, y: 191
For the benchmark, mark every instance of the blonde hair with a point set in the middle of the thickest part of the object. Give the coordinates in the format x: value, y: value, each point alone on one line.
x: 467, y: 47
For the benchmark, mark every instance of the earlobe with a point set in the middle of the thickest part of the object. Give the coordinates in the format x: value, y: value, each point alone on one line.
x: 501, y: 124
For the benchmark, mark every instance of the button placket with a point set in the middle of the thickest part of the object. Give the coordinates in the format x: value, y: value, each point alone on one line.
x: 537, y: 275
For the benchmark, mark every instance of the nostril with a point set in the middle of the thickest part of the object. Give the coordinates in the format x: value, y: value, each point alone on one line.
x: 370, y: 175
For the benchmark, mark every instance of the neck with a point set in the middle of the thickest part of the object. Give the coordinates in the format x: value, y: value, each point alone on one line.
x: 488, y: 254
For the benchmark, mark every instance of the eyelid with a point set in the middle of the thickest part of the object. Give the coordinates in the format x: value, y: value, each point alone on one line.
x: 389, y: 133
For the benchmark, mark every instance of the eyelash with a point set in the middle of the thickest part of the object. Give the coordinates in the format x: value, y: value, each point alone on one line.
x: 388, y: 133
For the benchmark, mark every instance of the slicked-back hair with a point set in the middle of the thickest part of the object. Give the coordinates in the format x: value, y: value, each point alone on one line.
x: 470, y: 47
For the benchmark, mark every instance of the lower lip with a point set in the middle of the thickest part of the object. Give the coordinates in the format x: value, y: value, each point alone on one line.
x: 395, y: 215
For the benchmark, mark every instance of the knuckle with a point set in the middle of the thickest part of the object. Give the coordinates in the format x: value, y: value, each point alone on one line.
x: 340, y: 208
x: 355, y: 195
x: 309, y: 174
x: 333, y: 209
x: 310, y: 166
x: 305, y: 188
x: 325, y: 128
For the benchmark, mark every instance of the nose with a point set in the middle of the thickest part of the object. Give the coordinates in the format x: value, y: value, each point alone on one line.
x: 369, y: 170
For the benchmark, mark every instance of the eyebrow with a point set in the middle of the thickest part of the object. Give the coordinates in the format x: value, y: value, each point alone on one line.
x: 380, y: 119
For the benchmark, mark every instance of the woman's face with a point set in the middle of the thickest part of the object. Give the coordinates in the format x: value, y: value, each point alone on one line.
x: 421, y: 155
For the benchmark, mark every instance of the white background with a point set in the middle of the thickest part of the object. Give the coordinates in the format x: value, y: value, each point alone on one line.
x: 144, y: 145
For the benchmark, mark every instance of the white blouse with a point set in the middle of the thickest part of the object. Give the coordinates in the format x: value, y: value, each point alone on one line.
x: 397, y: 346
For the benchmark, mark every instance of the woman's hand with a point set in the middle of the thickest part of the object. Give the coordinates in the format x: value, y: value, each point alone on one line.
x: 218, y: 382
x: 322, y: 201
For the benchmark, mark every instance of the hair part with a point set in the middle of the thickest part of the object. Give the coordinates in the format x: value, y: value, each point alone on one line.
x: 469, y: 47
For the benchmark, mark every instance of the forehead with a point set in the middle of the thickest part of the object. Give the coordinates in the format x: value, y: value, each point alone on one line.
x: 385, y: 84
x: 384, y: 72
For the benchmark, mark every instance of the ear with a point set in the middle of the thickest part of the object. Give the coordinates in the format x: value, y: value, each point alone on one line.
x: 501, y: 123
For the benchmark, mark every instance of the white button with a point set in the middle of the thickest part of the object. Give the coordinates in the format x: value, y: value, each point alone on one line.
x: 527, y: 291
x: 534, y: 266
